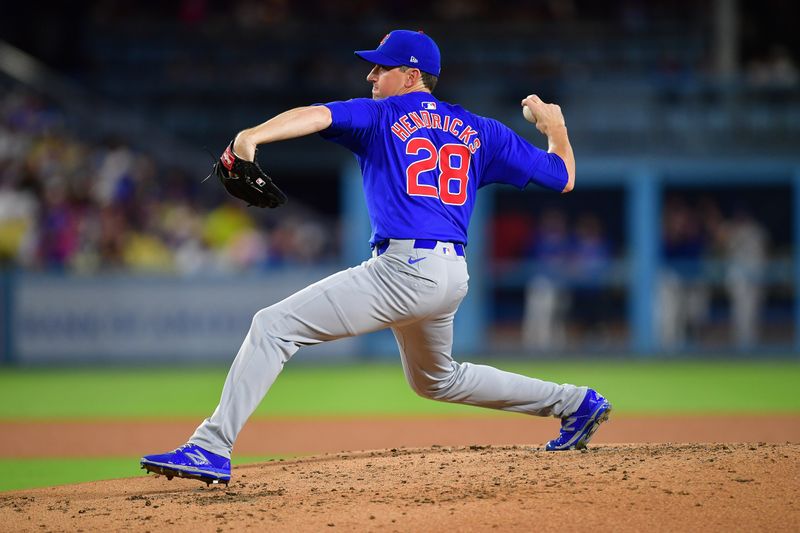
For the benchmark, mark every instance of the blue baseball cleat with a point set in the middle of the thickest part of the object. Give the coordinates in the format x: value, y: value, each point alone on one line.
x: 190, y: 461
x: 578, y: 428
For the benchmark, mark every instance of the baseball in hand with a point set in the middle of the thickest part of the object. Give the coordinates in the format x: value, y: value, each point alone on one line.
x: 526, y: 112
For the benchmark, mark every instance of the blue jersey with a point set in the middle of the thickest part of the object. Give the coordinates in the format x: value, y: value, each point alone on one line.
x: 423, y: 161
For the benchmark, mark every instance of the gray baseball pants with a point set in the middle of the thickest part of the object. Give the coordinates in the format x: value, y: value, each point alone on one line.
x: 414, y: 291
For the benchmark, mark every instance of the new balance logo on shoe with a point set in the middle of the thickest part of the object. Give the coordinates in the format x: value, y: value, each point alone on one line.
x: 197, y: 458
x: 569, y: 424
x: 189, y: 461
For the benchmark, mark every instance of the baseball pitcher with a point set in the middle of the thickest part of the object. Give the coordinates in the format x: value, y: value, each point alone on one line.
x: 423, y: 161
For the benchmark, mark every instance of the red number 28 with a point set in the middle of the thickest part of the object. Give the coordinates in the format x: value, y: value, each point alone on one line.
x: 453, y: 161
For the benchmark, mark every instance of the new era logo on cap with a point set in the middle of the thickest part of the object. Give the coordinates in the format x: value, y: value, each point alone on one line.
x: 413, y: 59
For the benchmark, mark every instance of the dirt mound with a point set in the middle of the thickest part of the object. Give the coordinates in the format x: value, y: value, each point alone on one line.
x: 658, y: 487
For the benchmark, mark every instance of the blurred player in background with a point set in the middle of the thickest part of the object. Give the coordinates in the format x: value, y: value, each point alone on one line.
x: 744, y: 246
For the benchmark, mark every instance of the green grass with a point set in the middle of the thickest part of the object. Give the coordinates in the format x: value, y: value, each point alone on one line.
x: 635, y: 387
x: 380, y: 390
x: 31, y: 473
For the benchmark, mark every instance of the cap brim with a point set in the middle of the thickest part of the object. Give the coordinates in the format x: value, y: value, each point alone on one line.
x: 377, y: 58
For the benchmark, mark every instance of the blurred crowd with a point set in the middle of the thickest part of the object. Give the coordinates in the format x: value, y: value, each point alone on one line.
x: 73, y: 204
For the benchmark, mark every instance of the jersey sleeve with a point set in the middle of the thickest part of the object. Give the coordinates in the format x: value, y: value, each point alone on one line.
x: 354, y: 123
x: 515, y: 161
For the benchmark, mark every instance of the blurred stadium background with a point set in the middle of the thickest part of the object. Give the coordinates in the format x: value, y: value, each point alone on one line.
x: 682, y: 237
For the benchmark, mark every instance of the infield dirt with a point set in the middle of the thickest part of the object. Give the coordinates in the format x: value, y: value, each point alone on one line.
x: 610, y: 487
x: 645, y: 487
x: 493, y: 485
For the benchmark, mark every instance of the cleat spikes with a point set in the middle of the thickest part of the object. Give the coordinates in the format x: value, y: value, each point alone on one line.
x: 169, y: 474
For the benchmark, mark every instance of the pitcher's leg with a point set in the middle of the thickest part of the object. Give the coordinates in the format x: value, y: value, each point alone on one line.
x: 425, y: 347
x: 348, y: 303
x: 257, y: 365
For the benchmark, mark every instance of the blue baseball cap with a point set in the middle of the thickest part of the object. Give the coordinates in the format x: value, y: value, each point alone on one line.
x: 405, y: 47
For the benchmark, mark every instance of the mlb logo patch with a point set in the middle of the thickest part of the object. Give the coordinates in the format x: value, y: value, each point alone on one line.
x: 429, y: 105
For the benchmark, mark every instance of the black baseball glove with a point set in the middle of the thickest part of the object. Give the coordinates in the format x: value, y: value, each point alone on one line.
x: 245, y: 180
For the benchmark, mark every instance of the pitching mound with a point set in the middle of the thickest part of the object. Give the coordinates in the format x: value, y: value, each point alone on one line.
x: 663, y: 487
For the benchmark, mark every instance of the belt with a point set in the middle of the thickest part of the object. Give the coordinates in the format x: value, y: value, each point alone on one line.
x: 427, y: 244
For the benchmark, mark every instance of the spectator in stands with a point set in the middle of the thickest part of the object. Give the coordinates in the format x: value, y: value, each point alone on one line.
x: 231, y: 232
x: 18, y: 223
x: 59, y: 238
